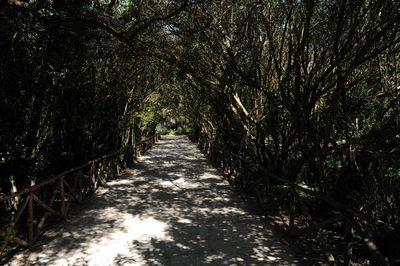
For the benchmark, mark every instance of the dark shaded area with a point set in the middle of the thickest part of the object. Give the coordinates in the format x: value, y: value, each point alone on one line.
x: 308, y: 91
x: 173, y: 209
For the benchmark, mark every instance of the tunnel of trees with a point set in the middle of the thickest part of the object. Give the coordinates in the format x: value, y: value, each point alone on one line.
x: 296, y: 102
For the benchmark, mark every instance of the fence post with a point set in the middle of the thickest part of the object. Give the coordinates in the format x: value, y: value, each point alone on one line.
x: 62, y: 196
x: 292, y: 209
x: 93, y: 174
x: 79, y: 186
x: 30, y: 219
x: 349, y: 233
x: 138, y: 149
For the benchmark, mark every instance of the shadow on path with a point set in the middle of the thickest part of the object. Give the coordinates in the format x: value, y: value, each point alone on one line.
x: 172, y: 209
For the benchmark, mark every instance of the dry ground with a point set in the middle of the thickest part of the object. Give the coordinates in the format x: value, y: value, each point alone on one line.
x: 171, y: 209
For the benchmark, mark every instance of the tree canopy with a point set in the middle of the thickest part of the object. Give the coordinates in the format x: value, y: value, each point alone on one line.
x: 277, y: 93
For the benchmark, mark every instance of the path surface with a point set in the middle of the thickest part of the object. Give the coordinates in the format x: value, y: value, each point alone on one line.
x: 172, y: 209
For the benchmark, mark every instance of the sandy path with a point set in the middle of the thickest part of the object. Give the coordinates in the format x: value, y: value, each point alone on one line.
x: 172, y: 209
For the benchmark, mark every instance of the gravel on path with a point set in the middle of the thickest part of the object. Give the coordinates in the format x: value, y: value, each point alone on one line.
x: 172, y: 208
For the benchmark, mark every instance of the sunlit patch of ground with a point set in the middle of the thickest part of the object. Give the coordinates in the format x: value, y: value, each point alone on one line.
x: 172, y: 209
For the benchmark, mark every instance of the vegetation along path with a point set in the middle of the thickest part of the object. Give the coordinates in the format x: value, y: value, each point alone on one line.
x: 172, y: 209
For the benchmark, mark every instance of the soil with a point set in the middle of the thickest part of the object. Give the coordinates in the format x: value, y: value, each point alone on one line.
x: 171, y: 208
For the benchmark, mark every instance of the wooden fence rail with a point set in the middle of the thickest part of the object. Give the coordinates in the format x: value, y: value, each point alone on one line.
x: 350, y: 216
x: 53, y: 197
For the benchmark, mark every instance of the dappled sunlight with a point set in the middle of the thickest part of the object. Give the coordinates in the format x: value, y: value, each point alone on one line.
x: 230, y: 210
x: 117, y: 243
x: 172, y: 209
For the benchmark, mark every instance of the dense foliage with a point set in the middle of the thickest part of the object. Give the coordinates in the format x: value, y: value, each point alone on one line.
x: 310, y: 91
x: 276, y: 92
x: 73, y: 86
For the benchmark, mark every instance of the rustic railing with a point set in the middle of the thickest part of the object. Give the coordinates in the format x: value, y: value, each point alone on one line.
x: 352, y: 218
x: 146, y: 144
x: 349, y: 216
x: 52, y: 198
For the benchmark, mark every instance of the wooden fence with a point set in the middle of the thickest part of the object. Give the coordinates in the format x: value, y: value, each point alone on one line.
x: 351, y: 217
x: 52, y: 198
